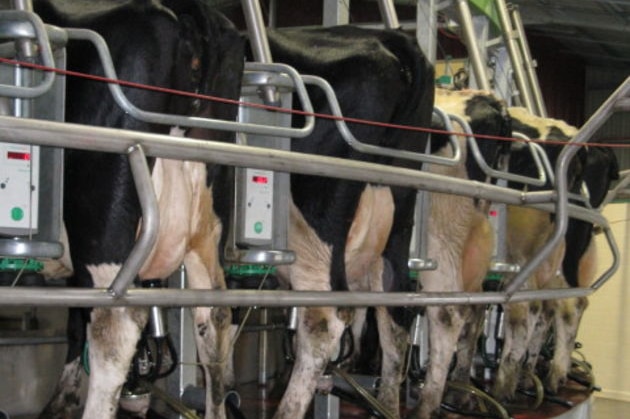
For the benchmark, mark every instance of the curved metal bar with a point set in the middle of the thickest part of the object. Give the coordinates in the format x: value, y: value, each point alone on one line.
x: 498, y: 174
x: 372, y: 149
x: 12, y: 21
x: 56, y: 134
x: 615, y: 265
x: 150, y: 224
x: 188, y: 121
x: 621, y: 185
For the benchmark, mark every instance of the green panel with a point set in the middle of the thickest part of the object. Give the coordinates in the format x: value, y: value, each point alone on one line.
x: 487, y: 8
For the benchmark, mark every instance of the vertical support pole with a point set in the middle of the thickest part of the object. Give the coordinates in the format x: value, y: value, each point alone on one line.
x: 528, y: 62
x: 259, y: 43
x: 181, y: 331
x: 263, y: 344
x: 388, y: 14
x: 478, y: 64
x: 517, y: 65
x: 336, y: 12
x: 426, y: 28
x: 326, y: 406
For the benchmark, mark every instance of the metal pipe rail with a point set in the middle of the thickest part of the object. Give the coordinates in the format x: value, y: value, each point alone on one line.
x: 363, y: 147
x: 207, y: 123
x: 100, y: 297
x: 119, y: 141
x: 57, y: 134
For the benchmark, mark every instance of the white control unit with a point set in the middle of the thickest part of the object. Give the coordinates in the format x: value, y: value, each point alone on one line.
x: 19, y: 189
x: 256, y: 212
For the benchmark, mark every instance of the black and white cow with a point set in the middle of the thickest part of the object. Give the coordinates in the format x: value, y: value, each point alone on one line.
x: 349, y: 235
x: 192, y: 50
x: 579, y: 265
x: 528, y: 229
x: 461, y: 241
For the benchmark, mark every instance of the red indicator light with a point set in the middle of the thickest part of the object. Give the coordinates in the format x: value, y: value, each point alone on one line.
x: 260, y: 179
x: 493, y: 213
x: 16, y: 155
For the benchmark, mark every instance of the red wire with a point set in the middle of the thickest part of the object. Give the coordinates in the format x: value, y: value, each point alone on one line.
x: 284, y: 110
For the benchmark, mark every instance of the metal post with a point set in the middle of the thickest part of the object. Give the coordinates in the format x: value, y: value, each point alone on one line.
x: 478, y: 64
x: 517, y: 64
x: 259, y: 43
x: 426, y: 28
x: 181, y: 329
x: 528, y: 62
x: 336, y: 12
x: 388, y: 14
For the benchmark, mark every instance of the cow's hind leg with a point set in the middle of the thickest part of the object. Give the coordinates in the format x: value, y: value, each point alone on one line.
x: 66, y: 399
x: 567, y: 320
x: 112, y: 335
x: 213, y: 331
x: 445, y: 326
x: 521, y: 318
x: 393, y: 342
x: 318, y: 336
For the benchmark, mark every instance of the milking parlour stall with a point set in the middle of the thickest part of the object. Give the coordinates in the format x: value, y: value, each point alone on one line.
x: 308, y: 209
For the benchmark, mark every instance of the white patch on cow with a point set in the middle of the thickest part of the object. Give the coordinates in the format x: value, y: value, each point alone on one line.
x: 454, y: 101
x: 103, y: 275
x: 543, y: 125
x: 368, y: 234
x: 177, y: 186
x: 310, y: 271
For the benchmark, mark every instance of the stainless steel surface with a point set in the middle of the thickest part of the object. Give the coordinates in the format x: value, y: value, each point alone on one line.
x: 99, y: 297
x: 22, y: 24
x: 388, y: 13
x: 260, y: 256
x: 509, y: 38
x: 118, y: 141
x: 426, y: 28
x: 528, y: 62
x: 470, y: 39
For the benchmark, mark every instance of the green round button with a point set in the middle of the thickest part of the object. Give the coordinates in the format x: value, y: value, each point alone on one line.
x: 258, y: 227
x: 17, y: 213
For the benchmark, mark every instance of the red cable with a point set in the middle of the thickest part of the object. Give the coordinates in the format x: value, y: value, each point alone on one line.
x: 284, y: 110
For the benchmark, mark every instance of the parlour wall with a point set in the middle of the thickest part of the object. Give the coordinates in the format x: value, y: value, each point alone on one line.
x: 605, y: 329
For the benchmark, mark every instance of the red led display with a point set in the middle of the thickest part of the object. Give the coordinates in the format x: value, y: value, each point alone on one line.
x: 16, y: 155
x: 260, y: 179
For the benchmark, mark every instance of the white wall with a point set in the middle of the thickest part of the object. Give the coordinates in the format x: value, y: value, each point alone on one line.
x: 605, y: 329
